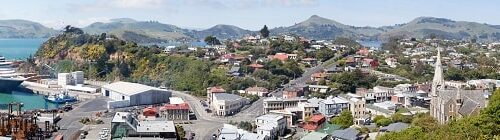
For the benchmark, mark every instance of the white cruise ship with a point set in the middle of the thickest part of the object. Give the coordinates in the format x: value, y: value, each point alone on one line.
x: 9, y: 79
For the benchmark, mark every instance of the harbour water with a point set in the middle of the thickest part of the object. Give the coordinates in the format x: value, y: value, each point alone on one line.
x: 20, y: 49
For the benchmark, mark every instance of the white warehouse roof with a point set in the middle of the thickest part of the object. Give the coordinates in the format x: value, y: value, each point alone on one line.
x: 128, y: 88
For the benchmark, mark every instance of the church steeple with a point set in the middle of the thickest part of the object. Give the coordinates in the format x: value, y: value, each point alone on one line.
x: 438, y: 80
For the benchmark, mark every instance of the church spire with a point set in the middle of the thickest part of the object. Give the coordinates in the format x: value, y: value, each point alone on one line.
x: 438, y: 79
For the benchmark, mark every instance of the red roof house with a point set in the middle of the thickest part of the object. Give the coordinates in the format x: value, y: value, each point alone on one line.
x: 314, y: 122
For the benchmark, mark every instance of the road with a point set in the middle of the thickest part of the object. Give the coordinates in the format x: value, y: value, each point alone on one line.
x: 206, y: 125
x: 70, y: 124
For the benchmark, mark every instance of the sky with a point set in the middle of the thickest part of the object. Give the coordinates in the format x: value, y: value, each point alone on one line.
x: 248, y: 14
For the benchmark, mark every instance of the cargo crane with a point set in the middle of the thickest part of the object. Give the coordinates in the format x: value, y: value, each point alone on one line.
x: 22, y: 125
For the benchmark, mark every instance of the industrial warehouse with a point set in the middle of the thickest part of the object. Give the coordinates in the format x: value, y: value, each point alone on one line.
x: 124, y: 94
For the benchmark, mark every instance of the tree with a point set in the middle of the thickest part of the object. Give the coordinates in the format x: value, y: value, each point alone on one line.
x: 383, y: 122
x: 212, y: 40
x: 180, y: 132
x: 345, y: 119
x: 264, y: 32
x: 324, y: 54
x: 74, y: 30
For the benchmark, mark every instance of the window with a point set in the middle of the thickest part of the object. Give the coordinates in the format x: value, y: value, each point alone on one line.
x: 106, y: 93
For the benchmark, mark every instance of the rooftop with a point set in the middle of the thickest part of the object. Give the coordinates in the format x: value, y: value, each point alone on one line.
x: 227, y: 96
x: 270, y: 117
x: 346, y: 134
x: 182, y: 106
x: 128, y: 88
x: 395, y: 127
x: 314, y: 136
x: 155, y: 126
x: 216, y: 89
x: 120, y: 117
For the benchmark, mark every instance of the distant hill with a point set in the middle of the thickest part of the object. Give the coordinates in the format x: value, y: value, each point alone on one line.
x: 424, y: 27
x: 322, y: 28
x: 222, y: 32
x: 24, y: 29
x: 315, y: 27
x: 139, y: 31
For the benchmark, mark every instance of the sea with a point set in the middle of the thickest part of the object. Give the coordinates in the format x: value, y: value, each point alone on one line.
x: 20, y: 49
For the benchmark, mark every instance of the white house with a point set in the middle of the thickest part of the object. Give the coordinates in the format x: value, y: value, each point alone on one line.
x: 124, y: 94
x: 271, y: 125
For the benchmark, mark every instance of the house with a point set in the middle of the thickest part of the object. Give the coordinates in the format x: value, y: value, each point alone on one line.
x: 274, y: 103
x: 307, y: 109
x: 346, y: 134
x: 310, y: 61
x: 315, y: 136
x: 332, y: 106
x: 333, y: 69
x: 292, y: 92
x: 125, y: 94
x: 369, y: 63
x: 386, y: 109
x: 234, y: 71
x: 256, y: 66
x: 391, y: 62
x: 211, y: 91
x: 292, y: 56
x: 227, y: 104
x: 175, y: 112
x: 231, y: 132
x: 318, y: 76
x: 271, y: 125
x: 259, y: 91
x: 319, y: 88
x: 395, y: 127
x: 314, y: 123
x: 363, y: 52
x: 280, y: 56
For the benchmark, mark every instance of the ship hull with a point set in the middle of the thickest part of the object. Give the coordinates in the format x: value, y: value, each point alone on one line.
x: 9, y: 84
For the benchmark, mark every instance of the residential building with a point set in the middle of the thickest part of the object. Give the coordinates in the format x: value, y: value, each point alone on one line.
x: 395, y: 127
x: 314, y: 123
x: 315, y: 136
x: 332, y: 106
x: 231, y: 132
x: 259, y: 91
x: 386, y: 109
x: 292, y: 92
x: 307, y: 109
x: 124, y: 94
x: 319, y: 88
x: 271, y: 125
x: 274, y: 103
x: 175, y: 112
x: 227, y: 104
x: 346, y: 134
x: 318, y: 76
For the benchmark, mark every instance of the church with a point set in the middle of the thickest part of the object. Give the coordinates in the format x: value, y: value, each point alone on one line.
x: 448, y: 102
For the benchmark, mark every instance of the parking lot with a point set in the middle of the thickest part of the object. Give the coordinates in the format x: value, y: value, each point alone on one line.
x: 98, y: 131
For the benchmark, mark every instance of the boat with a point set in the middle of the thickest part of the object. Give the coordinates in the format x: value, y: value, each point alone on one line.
x: 60, y: 98
x: 9, y: 79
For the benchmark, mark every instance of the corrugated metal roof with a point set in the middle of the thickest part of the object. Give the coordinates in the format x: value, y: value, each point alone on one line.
x: 128, y: 88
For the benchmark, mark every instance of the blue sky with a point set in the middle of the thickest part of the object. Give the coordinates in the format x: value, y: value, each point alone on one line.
x: 249, y: 14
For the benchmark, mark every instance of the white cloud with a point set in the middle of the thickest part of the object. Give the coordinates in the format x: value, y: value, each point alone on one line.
x: 110, y: 5
x: 59, y: 24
